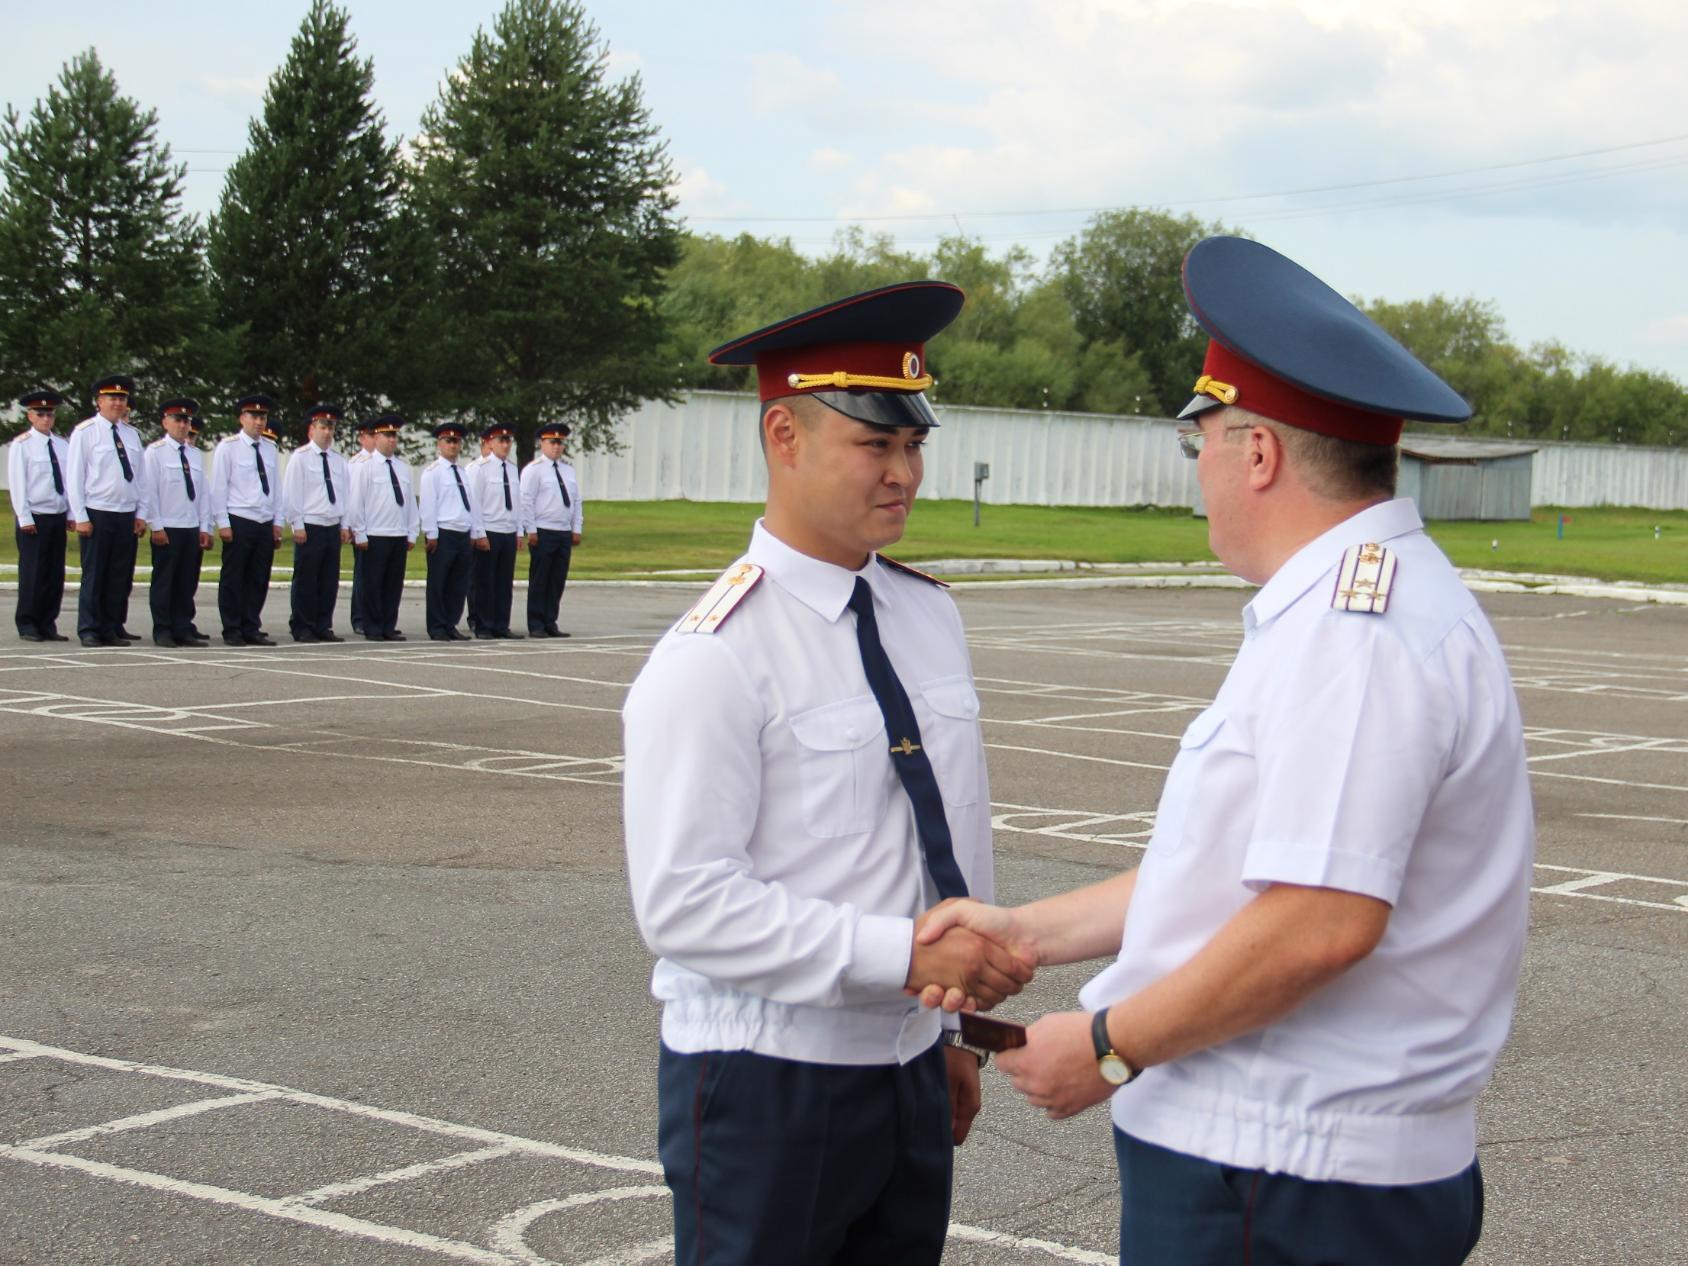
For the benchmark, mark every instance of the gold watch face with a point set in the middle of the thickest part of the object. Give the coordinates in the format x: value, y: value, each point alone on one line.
x: 1115, y: 1071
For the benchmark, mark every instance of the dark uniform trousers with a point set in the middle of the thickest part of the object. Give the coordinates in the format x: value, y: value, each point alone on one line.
x: 108, y: 573
x: 492, y: 582
x: 316, y: 580
x: 245, y: 580
x: 357, y: 590
x: 548, y: 572
x: 774, y: 1162
x: 1179, y: 1210
x: 448, y: 580
x: 41, y: 574
x: 383, y: 584
x: 175, y: 576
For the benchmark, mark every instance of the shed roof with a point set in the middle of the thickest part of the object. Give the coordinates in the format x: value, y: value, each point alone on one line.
x: 1428, y: 450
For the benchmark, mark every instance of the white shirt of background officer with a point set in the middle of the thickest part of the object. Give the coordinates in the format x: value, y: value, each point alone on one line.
x: 550, y: 453
x: 176, y: 426
x: 387, y: 445
x: 252, y: 427
x: 448, y: 447
x: 115, y: 410
x: 41, y: 420
x: 320, y: 431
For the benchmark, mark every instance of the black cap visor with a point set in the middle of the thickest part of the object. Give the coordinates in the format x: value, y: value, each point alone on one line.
x: 877, y: 408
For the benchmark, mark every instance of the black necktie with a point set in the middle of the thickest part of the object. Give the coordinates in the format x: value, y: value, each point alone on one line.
x: 187, y: 475
x: 122, y: 454
x: 327, y: 478
x: 505, y: 471
x: 58, y: 475
x: 461, y: 490
x: 263, y: 479
x: 394, y: 476
x: 558, y: 472
x: 908, y: 758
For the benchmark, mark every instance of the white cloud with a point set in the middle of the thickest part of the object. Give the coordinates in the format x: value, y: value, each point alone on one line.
x: 827, y: 160
x: 1671, y: 331
x: 781, y: 82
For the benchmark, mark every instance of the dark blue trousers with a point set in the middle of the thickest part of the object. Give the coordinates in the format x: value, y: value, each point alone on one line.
x: 41, y: 573
x: 548, y: 572
x: 243, y: 585
x: 357, y: 591
x: 108, y: 573
x: 774, y: 1162
x: 316, y: 580
x: 383, y: 584
x: 448, y: 581
x: 1179, y: 1210
x: 175, y: 577
x: 492, y: 578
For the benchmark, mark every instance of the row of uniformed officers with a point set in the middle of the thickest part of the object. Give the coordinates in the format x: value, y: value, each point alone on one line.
x: 110, y: 490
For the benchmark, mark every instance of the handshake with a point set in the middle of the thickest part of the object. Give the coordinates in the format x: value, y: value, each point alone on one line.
x: 968, y: 956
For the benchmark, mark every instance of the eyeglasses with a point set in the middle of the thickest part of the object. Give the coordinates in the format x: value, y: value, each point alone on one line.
x: 1190, y: 442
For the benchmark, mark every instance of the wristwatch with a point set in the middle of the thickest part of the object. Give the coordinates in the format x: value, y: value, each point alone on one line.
x: 952, y: 1037
x: 1113, y: 1067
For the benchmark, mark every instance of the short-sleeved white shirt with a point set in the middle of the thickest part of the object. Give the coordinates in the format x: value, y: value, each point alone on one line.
x: 772, y: 852
x: 1376, y: 754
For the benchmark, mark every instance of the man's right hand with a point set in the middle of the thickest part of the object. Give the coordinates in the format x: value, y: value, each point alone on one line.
x: 225, y: 534
x: 961, y: 966
x: 85, y: 529
x: 160, y: 538
x: 28, y: 529
x: 998, y: 925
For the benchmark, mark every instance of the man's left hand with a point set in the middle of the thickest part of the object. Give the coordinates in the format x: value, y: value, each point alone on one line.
x: 962, y: 1066
x: 574, y: 539
x: 482, y: 544
x: 140, y: 528
x: 275, y: 533
x: 1056, y: 1069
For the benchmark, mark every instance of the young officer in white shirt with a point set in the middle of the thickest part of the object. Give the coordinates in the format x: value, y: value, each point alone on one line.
x: 495, y: 487
x: 366, y: 447
x: 181, y: 525
x: 35, y: 475
x: 246, y: 504
x: 316, y: 489
x: 106, y: 485
x: 1322, y: 950
x: 805, y: 776
x: 451, y: 531
x: 551, y: 507
x: 384, y: 526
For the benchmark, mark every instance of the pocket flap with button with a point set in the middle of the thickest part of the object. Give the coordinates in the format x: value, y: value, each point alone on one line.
x: 838, y: 727
x: 1201, y: 731
x: 841, y: 757
x: 952, y: 699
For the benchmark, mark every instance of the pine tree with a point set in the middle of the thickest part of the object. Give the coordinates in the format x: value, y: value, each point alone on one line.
x: 546, y: 190
x: 100, y: 269
x: 306, y: 246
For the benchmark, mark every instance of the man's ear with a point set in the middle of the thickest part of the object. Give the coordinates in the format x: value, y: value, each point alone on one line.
x: 1265, y: 458
x: 780, y: 435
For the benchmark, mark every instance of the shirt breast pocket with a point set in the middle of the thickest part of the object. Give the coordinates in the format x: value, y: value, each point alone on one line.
x: 1183, y: 781
x: 950, y: 733
x: 843, y: 764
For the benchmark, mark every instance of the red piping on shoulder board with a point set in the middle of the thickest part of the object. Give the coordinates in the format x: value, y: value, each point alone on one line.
x: 894, y: 565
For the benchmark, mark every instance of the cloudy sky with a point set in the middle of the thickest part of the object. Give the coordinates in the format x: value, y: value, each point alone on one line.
x: 1522, y: 151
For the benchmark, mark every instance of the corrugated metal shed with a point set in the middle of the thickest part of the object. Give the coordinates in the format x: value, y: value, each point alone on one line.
x: 1466, y: 479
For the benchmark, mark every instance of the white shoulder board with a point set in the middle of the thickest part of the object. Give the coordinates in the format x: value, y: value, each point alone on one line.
x: 86, y: 422
x: 726, y: 593
x: 1364, y: 580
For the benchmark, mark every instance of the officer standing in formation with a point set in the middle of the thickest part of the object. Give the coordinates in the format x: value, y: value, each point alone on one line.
x: 315, y: 493
x: 366, y: 447
x: 1322, y: 943
x: 106, y: 485
x: 384, y: 526
x: 246, y: 503
x: 36, y: 462
x: 805, y: 777
x: 552, y: 512
x: 496, y: 489
x: 181, y: 525
x: 452, y: 532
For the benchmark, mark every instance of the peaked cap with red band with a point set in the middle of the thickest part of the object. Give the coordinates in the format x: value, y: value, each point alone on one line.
x: 864, y: 356
x: 1288, y: 347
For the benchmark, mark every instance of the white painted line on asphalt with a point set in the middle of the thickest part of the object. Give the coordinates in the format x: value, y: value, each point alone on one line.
x: 14, y: 1056
x: 144, y: 1120
x: 1099, y: 760
x: 1063, y: 1252
x: 1610, y: 782
x: 357, y: 1186
x: 1636, y: 817
x: 509, y: 1234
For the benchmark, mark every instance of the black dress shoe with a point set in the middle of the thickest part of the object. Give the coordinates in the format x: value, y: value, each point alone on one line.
x: 32, y: 637
x: 373, y: 637
x: 329, y: 637
x: 481, y: 635
x: 55, y: 636
x: 555, y: 633
x: 233, y: 639
x: 513, y: 636
x: 195, y: 640
x: 306, y: 637
x: 166, y: 641
x: 260, y: 639
x: 94, y: 641
x: 440, y: 637
x: 395, y: 636
x: 123, y: 635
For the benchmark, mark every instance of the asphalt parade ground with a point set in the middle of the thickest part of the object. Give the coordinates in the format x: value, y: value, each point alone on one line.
x: 323, y: 953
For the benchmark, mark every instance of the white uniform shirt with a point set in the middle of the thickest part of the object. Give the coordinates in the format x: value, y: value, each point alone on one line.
x: 304, y: 488
x: 1376, y: 754
x: 375, y: 509
x: 543, y: 504
x: 235, y: 486
x: 445, y: 501
x: 171, y: 505
x: 29, y: 475
x: 492, y: 480
x: 94, y: 473
x: 772, y: 851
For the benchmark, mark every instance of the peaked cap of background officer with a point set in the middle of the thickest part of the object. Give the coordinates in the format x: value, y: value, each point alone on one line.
x: 450, y: 431
x: 864, y: 356
x: 1288, y: 347
x: 387, y: 424
x: 115, y: 385
x: 364, y: 424
x: 257, y: 402
x: 493, y: 430
x: 183, y: 406
x: 41, y: 398
x: 324, y: 412
x: 547, y: 429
